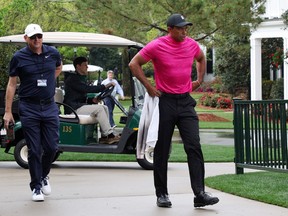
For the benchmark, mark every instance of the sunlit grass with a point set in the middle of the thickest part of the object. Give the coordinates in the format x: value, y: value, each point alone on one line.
x: 268, y: 187
x: 212, y: 153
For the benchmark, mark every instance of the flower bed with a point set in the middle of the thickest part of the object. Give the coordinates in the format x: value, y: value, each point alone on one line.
x: 221, y: 101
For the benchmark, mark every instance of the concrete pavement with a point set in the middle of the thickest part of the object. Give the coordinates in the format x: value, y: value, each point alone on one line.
x: 223, y: 137
x: 117, y: 189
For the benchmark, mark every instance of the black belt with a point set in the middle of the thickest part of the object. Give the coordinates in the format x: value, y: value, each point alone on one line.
x: 37, y: 101
x: 184, y: 95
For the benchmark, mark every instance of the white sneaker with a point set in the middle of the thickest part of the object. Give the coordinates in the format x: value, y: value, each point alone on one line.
x: 37, y: 195
x: 46, y: 188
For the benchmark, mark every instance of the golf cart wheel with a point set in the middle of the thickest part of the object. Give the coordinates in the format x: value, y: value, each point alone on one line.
x: 21, y: 154
x: 147, y: 162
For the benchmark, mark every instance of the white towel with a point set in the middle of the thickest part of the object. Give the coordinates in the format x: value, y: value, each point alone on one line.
x: 148, y: 125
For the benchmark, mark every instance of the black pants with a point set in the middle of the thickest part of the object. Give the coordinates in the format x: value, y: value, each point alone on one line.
x: 178, y: 111
x: 40, y: 125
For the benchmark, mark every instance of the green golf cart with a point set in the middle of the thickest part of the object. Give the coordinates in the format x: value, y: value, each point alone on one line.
x: 80, y: 133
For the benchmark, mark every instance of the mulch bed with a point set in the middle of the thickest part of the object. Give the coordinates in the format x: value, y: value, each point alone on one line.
x: 211, y: 118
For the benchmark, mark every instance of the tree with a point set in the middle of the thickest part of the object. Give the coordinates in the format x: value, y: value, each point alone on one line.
x: 233, y: 63
x: 142, y: 21
x: 5, y: 56
x: 107, y: 58
x: 49, y: 14
x: 135, y: 18
x: 139, y: 20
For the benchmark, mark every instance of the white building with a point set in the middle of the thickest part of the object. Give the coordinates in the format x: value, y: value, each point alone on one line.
x: 272, y: 27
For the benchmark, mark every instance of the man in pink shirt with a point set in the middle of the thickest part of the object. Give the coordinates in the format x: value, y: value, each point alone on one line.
x: 172, y: 57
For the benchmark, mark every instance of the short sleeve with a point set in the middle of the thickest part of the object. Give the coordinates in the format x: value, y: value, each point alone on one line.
x: 13, y: 66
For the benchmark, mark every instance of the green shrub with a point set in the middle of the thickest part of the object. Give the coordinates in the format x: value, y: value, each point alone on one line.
x: 277, y: 90
x: 217, y: 87
x: 214, y: 100
x: 266, y: 88
x: 205, y: 100
x: 6, y: 52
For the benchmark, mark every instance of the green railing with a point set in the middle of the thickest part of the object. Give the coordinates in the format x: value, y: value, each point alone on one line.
x: 260, y: 135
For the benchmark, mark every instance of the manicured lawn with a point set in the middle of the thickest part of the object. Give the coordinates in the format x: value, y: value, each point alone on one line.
x: 268, y: 187
x: 224, y: 154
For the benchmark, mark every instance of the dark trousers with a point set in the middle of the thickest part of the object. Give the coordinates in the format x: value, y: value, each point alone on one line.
x: 40, y: 125
x: 178, y: 111
x: 110, y: 104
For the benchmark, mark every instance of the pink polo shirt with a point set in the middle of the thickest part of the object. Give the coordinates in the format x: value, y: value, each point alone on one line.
x: 172, y: 62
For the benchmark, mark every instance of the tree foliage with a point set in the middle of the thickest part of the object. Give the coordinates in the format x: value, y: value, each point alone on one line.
x: 5, y: 56
x: 110, y: 57
x: 139, y: 20
x: 135, y: 18
x: 216, y: 24
x: 233, y: 64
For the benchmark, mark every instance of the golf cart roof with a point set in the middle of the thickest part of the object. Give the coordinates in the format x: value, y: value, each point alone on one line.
x: 76, y: 39
x: 71, y: 69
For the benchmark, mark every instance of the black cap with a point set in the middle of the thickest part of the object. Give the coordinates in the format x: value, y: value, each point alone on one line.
x: 177, y: 20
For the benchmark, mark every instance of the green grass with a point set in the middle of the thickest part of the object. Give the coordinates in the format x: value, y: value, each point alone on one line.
x: 268, y: 187
x: 215, y: 125
x: 212, y: 153
x: 224, y: 154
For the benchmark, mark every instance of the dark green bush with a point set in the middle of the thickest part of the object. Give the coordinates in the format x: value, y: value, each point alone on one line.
x: 266, y: 89
x: 277, y: 90
x: 6, y: 52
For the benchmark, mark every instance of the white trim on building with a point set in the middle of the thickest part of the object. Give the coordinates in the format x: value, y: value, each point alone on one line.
x: 267, y: 29
x: 272, y: 27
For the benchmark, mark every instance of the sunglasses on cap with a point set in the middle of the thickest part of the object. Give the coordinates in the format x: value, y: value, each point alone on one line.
x: 39, y: 36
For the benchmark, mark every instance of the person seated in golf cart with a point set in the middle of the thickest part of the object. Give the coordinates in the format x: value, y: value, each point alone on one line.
x: 76, y: 90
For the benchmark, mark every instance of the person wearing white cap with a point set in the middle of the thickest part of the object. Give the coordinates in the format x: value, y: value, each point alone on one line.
x: 172, y: 57
x: 37, y: 66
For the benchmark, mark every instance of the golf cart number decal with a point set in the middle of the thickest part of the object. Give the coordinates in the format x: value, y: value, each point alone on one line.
x: 67, y: 129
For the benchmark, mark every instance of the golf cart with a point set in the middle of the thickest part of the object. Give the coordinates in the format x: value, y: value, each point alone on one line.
x: 80, y: 133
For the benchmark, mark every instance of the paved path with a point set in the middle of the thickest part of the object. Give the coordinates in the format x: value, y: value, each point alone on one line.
x: 117, y: 189
x: 224, y: 137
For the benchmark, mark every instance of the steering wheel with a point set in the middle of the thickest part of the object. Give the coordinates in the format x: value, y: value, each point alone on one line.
x: 107, y: 92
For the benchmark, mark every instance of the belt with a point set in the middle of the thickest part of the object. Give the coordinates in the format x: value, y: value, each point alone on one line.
x: 37, y: 101
x: 184, y: 95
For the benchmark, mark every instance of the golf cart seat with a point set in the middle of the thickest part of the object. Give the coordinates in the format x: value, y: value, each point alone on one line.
x: 74, y: 117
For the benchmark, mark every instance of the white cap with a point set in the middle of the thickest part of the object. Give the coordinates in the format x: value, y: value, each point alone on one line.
x: 33, y: 29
